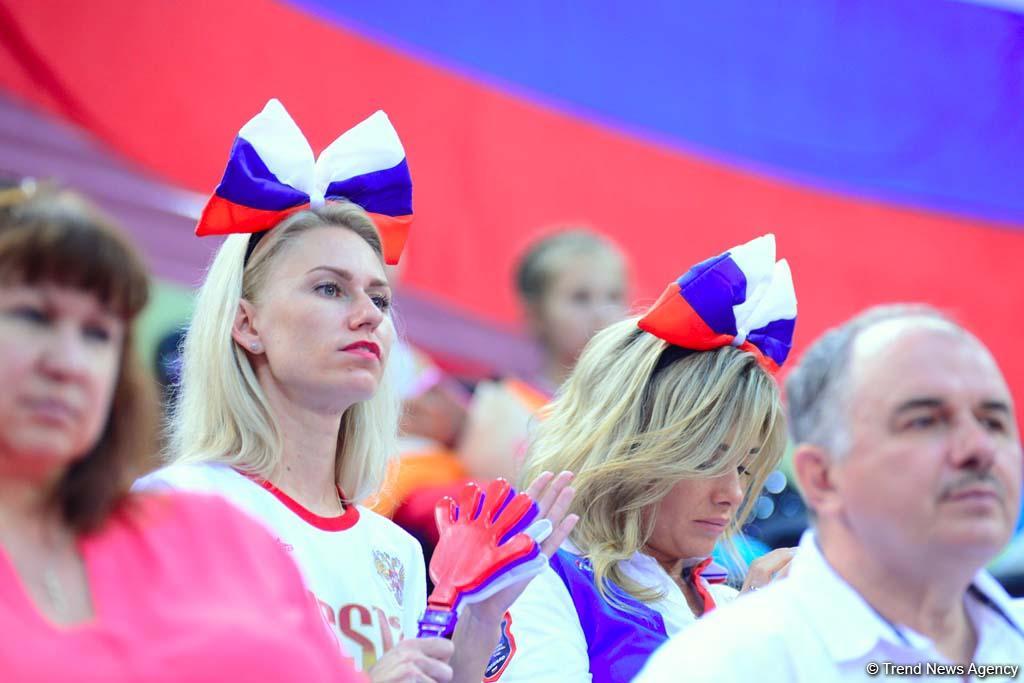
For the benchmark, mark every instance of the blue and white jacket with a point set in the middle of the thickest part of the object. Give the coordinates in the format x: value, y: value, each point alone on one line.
x: 561, y: 629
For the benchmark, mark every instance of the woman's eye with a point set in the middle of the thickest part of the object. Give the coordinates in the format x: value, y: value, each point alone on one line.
x: 381, y: 301
x: 30, y: 314
x: 744, y: 472
x: 97, y: 333
x: 710, y: 463
x: 328, y: 289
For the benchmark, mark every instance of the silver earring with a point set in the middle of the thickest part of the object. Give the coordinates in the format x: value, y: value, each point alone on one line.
x: 255, y: 346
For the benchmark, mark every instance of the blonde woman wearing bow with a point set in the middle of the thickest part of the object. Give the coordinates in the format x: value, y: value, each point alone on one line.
x: 671, y: 423
x: 285, y: 407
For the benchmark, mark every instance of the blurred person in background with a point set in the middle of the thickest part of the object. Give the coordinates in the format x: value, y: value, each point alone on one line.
x: 97, y: 584
x: 670, y: 435
x: 286, y: 409
x: 167, y: 363
x: 570, y: 285
x: 909, y: 455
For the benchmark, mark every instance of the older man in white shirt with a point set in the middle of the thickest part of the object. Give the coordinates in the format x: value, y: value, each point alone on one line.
x: 908, y: 455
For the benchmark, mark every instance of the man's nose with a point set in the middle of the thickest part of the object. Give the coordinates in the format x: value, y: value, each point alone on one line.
x: 974, y: 445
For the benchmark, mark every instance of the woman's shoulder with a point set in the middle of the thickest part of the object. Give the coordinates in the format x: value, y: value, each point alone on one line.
x: 385, y: 530
x: 541, y: 625
x: 183, y: 511
x: 203, y: 477
x: 572, y: 566
x: 204, y: 531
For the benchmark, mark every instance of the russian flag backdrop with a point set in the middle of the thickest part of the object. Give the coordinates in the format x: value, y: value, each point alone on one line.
x: 881, y: 141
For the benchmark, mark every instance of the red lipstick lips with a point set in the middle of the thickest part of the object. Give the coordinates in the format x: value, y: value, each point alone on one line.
x: 366, y: 348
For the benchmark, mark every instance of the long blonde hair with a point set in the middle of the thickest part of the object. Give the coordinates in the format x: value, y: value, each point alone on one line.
x: 636, y: 416
x: 222, y: 414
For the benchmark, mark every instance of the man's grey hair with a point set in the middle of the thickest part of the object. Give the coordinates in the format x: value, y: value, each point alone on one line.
x: 816, y: 390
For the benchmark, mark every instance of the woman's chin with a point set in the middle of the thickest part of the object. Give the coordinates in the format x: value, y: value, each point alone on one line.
x: 696, y: 550
x: 44, y: 455
x: 356, y: 387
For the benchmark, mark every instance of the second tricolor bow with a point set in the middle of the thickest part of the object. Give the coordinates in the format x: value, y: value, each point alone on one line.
x: 272, y: 173
x: 741, y: 298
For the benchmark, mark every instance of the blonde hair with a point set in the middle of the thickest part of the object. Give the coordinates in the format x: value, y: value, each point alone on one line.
x: 222, y: 414
x: 638, y: 415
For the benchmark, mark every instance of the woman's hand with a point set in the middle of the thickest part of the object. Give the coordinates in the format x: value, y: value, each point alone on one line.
x: 415, y: 660
x: 767, y: 568
x: 553, y: 495
x: 479, y: 624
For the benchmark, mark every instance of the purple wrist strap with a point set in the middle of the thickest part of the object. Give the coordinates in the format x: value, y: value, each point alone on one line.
x: 437, y: 623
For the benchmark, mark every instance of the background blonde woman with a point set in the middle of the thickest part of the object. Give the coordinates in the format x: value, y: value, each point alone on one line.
x: 570, y: 285
x: 671, y: 424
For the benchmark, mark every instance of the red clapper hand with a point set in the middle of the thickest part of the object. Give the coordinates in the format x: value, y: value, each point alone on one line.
x: 481, y: 539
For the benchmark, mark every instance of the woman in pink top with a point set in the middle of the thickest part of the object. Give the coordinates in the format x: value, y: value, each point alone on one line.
x: 97, y: 584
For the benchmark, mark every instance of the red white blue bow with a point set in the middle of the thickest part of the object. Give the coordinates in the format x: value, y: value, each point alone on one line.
x: 271, y: 173
x: 741, y: 298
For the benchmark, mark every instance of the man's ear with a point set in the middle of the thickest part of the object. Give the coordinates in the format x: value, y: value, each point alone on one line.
x: 244, y: 330
x: 815, y: 473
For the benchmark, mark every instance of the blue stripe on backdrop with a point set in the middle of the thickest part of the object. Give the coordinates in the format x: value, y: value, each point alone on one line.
x: 914, y: 101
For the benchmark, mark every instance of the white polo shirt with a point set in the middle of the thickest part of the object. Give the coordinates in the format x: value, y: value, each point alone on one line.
x: 813, y: 627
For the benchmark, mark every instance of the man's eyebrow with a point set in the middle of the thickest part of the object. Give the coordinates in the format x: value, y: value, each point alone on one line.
x: 916, y: 403
x: 996, y: 406
x: 930, y: 402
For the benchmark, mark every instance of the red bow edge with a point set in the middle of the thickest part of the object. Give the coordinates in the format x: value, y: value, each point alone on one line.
x: 486, y: 543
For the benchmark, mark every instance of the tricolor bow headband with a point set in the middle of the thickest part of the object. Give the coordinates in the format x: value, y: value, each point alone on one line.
x: 741, y: 298
x: 271, y: 174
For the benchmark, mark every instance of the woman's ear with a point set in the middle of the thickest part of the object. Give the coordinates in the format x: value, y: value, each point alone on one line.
x: 244, y: 330
x: 815, y: 470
